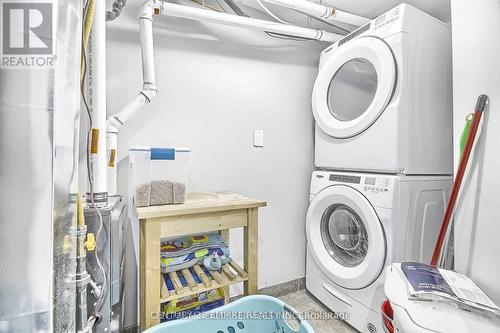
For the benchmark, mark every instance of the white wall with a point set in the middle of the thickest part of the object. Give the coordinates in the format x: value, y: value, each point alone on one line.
x: 476, y: 54
x: 215, y: 87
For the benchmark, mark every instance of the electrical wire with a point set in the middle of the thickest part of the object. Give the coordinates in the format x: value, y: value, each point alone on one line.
x: 304, y: 13
x: 287, y: 37
x: 206, y: 6
x: 221, y: 7
x: 89, y: 11
x: 235, y: 8
x: 118, y: 6
x: 100, y: 300
x: 324, y: 21
x: 240, y: 12
x: 271, y: 13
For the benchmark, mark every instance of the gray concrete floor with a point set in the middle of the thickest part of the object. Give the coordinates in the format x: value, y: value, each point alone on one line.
x: 311, y: 308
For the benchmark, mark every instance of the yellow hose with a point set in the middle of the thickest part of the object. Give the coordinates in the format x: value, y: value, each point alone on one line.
x: 80, y: 218
x: 87, y: 27
x: 89, y: 18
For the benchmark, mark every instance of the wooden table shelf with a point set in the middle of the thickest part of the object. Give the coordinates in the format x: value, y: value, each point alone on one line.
x: 201, y: 213
x: 231, y: 273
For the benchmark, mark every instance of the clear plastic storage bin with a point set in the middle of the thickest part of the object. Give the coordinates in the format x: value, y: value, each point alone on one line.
x: 159, y: 175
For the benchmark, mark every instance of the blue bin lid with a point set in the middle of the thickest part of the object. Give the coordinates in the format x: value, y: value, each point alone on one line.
x: 161, y: 153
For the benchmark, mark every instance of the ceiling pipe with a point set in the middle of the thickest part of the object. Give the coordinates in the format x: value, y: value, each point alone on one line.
x: 149, y: 90
x: 174, y: 10
x: 321, y: 12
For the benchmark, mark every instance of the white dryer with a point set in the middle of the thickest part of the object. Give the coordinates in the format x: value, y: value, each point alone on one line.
x: 382, y: 99
x: 359, y: 223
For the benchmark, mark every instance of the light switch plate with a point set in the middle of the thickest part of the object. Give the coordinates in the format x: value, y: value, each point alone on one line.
x: 258, y: 138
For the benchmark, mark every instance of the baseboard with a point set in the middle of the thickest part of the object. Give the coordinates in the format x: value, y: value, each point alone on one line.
x: 132, y: 329
x: 279, y: 290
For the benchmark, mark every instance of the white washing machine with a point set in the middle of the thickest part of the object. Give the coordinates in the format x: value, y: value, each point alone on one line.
x: 382, y: 99
x: 359, y: 223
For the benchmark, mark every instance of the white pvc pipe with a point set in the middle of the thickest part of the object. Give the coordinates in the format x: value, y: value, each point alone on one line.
x: 119, y: 119
x: 174, y: 10
x: 321, y: 12
x: 310, y: 8
x: 147, y: 50
x: 148, y: 92
x: 96, y: 97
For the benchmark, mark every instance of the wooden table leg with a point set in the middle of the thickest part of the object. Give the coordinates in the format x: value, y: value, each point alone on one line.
x: 225, y: 235
x: 150, y: 273
x: 251, y: 240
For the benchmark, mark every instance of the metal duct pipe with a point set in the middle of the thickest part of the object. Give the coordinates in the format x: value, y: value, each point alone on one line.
x: 40, y: 105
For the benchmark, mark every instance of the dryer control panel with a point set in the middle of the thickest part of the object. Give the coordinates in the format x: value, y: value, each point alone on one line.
x: 376, y: 184
x: 387, y: 18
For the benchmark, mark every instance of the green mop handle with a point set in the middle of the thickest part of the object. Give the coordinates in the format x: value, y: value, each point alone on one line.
x: 465, y: 132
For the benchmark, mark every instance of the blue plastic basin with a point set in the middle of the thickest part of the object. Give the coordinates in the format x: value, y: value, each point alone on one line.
x: 251, y: 314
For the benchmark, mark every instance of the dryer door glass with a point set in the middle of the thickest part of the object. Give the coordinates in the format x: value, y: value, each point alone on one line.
x: 354, y: 86
x: 352, y: 89
x: 344, y: 235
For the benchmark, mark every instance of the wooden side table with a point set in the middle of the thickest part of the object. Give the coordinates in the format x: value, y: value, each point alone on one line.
x: 201, y: 213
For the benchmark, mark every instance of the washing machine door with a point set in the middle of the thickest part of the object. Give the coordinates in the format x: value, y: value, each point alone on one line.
x: 345, y: 237
x: 354, y: 86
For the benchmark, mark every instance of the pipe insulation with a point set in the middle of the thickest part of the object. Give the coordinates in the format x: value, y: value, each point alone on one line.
x: 96, y: 97
x: 325, y: 13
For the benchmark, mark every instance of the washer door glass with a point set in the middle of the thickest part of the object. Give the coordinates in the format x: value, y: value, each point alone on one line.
x: 344, y: 235
x: 352, y: 89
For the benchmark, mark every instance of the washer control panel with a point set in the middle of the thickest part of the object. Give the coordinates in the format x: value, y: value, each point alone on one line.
x: 345, y: 179
x: 376, y: 184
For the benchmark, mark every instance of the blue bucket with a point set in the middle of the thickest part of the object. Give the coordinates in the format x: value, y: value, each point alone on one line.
x: 252, y: 314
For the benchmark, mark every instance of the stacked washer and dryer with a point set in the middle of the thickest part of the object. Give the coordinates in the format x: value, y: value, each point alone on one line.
x: 382, y: 102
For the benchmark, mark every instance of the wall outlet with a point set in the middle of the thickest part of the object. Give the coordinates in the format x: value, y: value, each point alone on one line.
x: 258, y: 138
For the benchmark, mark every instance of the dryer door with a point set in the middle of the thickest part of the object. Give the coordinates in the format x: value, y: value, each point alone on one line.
x: 354, y: 86
x: 345, y: 237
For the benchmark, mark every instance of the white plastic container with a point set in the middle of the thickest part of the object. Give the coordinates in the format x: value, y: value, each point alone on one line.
x: 159, y: 175
x: 411, y: 316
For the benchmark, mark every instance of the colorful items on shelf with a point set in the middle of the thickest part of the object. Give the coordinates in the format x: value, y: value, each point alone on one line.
x: 215, y: 261
x: 188, y: 251
x: 193, y: 304
x: 212, y: 263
